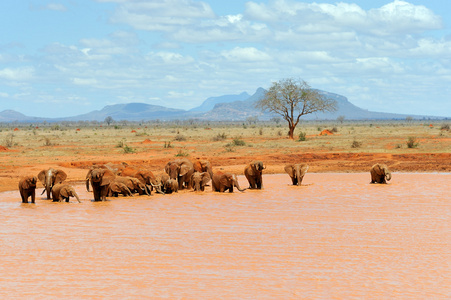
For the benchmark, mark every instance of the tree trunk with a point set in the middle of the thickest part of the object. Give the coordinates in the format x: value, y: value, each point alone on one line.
x: 291, y: 132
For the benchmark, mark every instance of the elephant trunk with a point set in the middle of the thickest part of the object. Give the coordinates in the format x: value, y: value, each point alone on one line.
x: 237, y: 184
x: 298, y: 175
x: 157, y: 188
x: 76, y: 197
x: 87, y: 184
x: 49, y: 183
x: 387, y: 175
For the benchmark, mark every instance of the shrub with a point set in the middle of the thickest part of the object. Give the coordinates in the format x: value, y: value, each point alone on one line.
x: 180, y: 138
x: 302, y: 136
x: 47, y: 142
x: 168, y: 145
x: 219, y: 137
x: 412, y: 142
x: 9, y: 140
x: 334, y: 129
x: 238, y: 142
x: 445, y: 127
x: 356, y: 144
x: 182, y: 153
x: 128, y: 149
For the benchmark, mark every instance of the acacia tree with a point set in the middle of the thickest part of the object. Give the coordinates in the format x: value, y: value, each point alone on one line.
x: 292, y: 99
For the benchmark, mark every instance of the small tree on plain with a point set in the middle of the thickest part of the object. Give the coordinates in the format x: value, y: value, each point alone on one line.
x: 341, y: 119
x: 109, y: 120
x: 292, y: 99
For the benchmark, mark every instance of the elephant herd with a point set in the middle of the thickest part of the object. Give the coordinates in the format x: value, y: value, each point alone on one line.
x: 112, y: 180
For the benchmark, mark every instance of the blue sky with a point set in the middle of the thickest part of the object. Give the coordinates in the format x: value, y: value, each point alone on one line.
x: 64, y: 58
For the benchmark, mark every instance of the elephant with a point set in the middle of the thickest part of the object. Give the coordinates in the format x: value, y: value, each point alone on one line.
x: 181, y: 170
x: 163, y: 179
x: 100, y: 180
x: 115, y: 188
x: 134, y: 184
x: 380, y: 173
x: 149, y: 179
x: 62, y: 192
x: 253, y: 173
x: 51, y: 177
x: 225, y: 181
x: 200, y: 180
x: 27, y: 188
x: 171, y: 186
x: 203, y: 165
x: 296, y: 172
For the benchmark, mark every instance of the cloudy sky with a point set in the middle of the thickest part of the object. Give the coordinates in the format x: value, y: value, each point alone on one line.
x: 66, y: 57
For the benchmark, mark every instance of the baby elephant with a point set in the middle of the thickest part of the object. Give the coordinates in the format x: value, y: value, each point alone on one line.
x: 171, y: 186
x: 380, y: 173
x: 61, y: 192
x: 200, y: 180
x: 27, y: 188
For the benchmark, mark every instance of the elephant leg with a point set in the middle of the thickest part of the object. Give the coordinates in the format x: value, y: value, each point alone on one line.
x: 32, y: 197
x: 24, y: 199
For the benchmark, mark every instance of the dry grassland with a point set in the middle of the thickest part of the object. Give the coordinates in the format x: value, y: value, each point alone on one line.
x: 354, y: 147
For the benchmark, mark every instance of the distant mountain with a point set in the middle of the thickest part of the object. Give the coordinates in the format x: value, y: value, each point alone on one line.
x: 212, y: 101
x: 223, y: 108
x: 130, y: 112
x: 240, y: 110
x: 14, y: 116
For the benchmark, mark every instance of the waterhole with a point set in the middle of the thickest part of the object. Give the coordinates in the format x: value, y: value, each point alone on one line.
x: 337, y: 236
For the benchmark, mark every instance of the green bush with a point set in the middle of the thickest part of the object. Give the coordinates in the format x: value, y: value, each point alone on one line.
x: 412, y: 142
x: 302, y: 136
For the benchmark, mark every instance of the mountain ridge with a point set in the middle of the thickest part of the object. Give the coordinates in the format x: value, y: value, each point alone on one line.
x: 237, y: 107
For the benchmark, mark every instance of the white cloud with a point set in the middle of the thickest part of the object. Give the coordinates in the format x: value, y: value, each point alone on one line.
x: 17, y: 74
x: 161, y: 16
x: 248, y: 54
x: 56, y: 6
x: 85, y: 81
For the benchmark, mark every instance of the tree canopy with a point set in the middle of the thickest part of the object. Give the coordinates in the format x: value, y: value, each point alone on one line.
x: 292, y: 99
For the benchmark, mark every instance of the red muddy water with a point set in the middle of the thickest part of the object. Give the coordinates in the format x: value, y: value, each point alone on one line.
x: 335, y: 237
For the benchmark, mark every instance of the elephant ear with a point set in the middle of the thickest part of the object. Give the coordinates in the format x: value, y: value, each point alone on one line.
x: 304, y: 169
x: 140, y: 176
x: 205, y: 178
x: 166, y: 167
x: 184, y: 169
x: 60, y: 176
x: 225, y: 180
x: 41, y: 176
x: 379, y: 171
x: 197, y: 165
x: 64, y: 192
x: 26, y: 183
x: 107, y: 177
x: 114, y: 187
x: 251, y: 169
x: 289, y: 170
